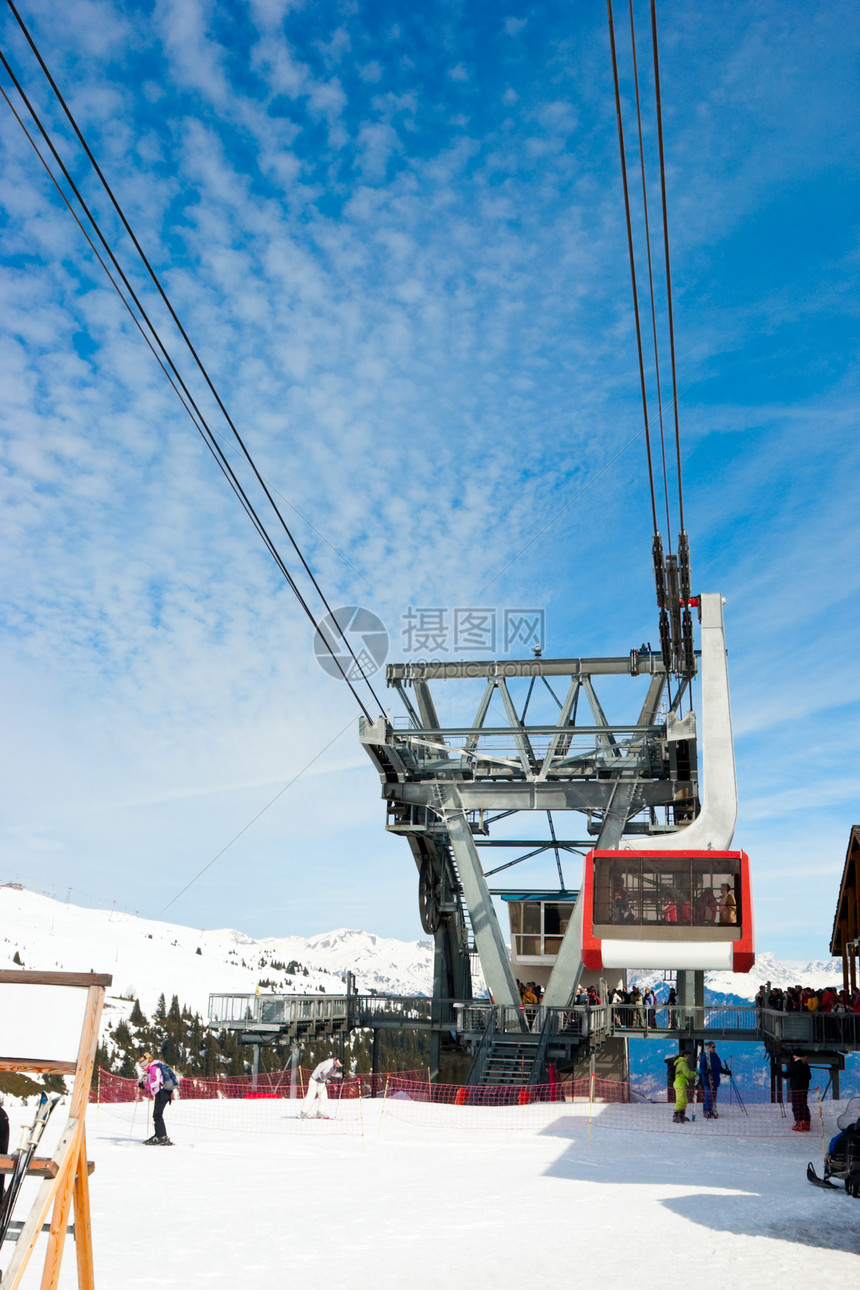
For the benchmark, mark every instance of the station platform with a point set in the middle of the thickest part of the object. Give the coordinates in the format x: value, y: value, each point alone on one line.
x: 526, y: 1038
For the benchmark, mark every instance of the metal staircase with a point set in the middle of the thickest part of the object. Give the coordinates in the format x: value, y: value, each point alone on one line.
x: 516, y: 1042
x: 509, y: 1059
x: 511, y: 1053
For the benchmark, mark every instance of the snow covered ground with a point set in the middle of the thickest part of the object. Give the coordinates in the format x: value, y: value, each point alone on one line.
x: 409, y: 1199
x: 147, y: 958
x: 414, y: 1195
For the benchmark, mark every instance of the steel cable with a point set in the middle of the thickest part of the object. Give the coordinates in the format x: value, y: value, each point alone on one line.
x: 632, y: 257
x: 666, y: 252
x: 189, y: 345
x: 650, y: 277
x: 205, y: 430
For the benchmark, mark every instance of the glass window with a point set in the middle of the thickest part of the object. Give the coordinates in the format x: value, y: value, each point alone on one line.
x: 681, y: 890
x: 531, y: 917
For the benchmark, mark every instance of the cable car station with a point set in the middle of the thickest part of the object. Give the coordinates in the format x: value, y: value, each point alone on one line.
x: 498, y: 763
x: 661, y: 887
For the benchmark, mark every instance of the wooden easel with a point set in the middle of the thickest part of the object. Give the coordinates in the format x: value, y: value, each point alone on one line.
x: 66, y: 1173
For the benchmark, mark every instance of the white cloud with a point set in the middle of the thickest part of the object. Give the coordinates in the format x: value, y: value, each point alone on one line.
x: 424, y: 331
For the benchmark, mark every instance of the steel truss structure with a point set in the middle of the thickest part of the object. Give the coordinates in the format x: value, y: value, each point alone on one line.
x: 448, y: 786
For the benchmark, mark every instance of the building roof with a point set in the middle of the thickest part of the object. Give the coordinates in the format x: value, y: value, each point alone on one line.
x: 557, y: 895
x: 847, y: 917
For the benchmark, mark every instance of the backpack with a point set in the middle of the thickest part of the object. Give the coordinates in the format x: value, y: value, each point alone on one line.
x: 169, y: 1080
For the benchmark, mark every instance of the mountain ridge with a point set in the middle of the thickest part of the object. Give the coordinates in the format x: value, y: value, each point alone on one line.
x: 148, y: 958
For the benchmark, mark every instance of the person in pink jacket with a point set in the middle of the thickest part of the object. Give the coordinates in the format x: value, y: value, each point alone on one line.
x: 158, y: 1082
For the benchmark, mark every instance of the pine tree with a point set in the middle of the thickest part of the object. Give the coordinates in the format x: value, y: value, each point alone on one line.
x: 103, y: 1062
x: 161, y: 1009
x: 128, y: 1067
x: 122, y: 1037
x: 137, y: 1016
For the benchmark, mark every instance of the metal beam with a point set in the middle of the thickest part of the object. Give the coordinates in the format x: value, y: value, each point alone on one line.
x: 492, y: 950
x: 451, y: 732
x: 546, y: 844
x: 520, y: 737
x: 606, y: 735
x: 460, y: 669
x: 714, y: 826
x: 567, y: 969
x: 502, y: 794
x: 481, y: 715
x: 425, y: 706
x: 564, y: 727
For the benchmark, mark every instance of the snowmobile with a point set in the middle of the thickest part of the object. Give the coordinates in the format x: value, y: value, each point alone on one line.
x: 842, y: 1160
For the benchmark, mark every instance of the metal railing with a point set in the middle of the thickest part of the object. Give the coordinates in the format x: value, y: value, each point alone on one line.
x: 236, y: 1010
x: 275, y: 1009
x: 594, y: 1024
x: 630, y: 1018
x: 534, y: 1019
x: 229, y: 1009
x: 825, y: 1028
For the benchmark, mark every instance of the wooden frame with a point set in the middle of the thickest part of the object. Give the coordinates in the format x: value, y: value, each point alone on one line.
x: 846, y: 923
x: 65, y: 1174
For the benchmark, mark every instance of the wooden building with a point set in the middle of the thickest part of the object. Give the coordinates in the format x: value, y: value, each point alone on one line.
x: 845, y: 940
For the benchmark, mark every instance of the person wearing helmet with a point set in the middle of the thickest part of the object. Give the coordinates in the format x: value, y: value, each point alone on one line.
x: 317, y: 1094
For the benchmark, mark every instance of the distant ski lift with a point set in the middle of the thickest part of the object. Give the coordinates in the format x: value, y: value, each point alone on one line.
x: 683, y: 910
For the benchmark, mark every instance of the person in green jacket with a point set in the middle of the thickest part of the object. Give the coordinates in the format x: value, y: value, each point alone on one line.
x: 683, y: 1076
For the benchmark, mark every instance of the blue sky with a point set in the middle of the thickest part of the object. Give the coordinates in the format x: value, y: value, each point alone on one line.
x: 396, y: 236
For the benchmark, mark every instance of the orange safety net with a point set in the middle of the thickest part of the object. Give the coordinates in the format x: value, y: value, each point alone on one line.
x: 267, y: 1084
x: 272, y: 1103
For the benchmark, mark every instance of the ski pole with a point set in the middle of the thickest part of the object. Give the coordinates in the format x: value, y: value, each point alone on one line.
x: 382, y: 1112
x: 29, y: 1141
x: 361, y: 1113
x: 738, y: 1094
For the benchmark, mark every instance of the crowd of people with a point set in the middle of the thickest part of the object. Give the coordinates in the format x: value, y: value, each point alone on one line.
x: 800, y: 998
x: 703, y: 909
x: 638, y: 1009
x: 634, y: 1007
x: 530, y: 993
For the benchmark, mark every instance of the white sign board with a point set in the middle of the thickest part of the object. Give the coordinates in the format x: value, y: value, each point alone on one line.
x: 41, y: 1022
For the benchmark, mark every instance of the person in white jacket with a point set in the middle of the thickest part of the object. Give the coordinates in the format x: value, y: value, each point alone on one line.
x: 317, y: 1091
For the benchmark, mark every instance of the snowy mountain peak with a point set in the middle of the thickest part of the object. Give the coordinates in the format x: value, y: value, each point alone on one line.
x: 148, y: 958
x: 767, y: 968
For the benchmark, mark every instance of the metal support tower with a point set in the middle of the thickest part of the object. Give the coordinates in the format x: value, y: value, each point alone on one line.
x: 448, y: 787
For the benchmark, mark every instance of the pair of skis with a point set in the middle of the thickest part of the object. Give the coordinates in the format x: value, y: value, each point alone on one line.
x: 30, y: 1138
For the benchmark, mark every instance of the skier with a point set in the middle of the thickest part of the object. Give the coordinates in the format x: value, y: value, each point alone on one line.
x: 683, y: 1077
x: 158, y: 1082
x: 710, y: 1070
x: 798, y: 1074
x: 317, y: 1091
